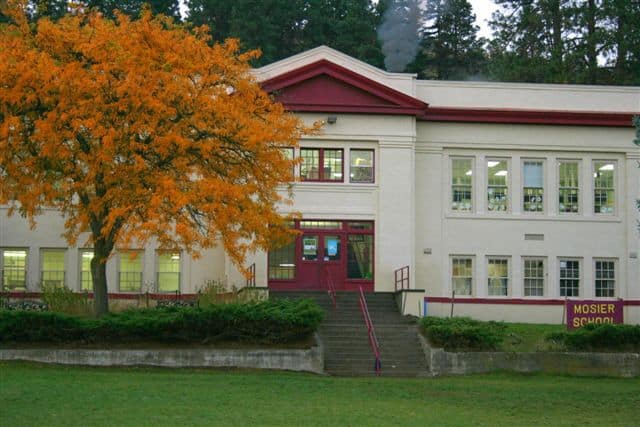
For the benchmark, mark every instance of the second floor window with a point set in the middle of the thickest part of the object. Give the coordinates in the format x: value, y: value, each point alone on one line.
x: 321, y: 164
x: 461, y: 185
x: 533, y: 186
x: 361, y: 166
x: 498, y: 186
x: 604, y: 187
x: 568, y: 186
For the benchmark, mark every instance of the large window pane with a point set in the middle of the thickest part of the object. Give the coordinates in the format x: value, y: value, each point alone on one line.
x: 14, y: 269
x: 568, y: 188
x: 604, y: 187
x: 332, y: 165
x: 462, y: 275
x: 168, y: 271
x: 461, y: 184
x: 498, y: 276
x: 359, y: 256
x: 497, y: 189
x: 282, y: 262
x: 310, y: 166
x: 130, y: 275
x: 569, y: 278
x: 86, y: 280
x: 605, y: 278
x: 533, y: 186
x: 52, y: 272
x: 361, y: 166
x: 533, y: 277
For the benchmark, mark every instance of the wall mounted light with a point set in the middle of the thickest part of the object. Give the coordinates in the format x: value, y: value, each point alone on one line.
x: 332, y: 120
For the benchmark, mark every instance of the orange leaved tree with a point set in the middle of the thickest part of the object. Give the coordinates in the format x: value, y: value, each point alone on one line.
x: 136, y: 130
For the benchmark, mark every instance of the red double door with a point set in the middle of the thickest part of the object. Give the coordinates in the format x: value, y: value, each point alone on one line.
x: 321, y: 260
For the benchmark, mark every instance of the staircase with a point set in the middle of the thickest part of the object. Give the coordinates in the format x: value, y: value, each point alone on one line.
x: 344, y: 335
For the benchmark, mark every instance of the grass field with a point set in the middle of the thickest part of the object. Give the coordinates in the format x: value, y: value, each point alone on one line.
x: 33, y: 394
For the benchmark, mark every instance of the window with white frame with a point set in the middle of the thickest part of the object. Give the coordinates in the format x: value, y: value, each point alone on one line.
x: 497, y: 185
x: 569, y: 277
x: 462, y: 275
x: 605, y: 284
x: 604, y: 194
x: 52, y: 270
x: 461, y: 184
x: 14, y: 269
x: 130, y: 271
x: 533, y: 186
x: 168, y: 271
x: 361, y: 166
x: 568, y: 186
x: 86, y: 279
x: 534, y: 275
x: 498, y: 276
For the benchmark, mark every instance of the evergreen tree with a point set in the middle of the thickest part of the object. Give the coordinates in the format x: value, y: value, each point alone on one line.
x: 134, y: 7
x: 622, y: 40
x: 450, y: 48
x: 529, y: 42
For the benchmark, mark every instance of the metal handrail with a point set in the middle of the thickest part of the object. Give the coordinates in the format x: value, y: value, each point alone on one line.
x: 331, y: 286
x: 401, y: 276
x: 373, y: 339
x: 251, y: 279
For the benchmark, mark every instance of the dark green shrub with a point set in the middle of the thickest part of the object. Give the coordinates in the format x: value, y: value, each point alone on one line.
x: 63, y: 300
x: 463, y: 333
x: 599, y: 337
x: 271, y: 321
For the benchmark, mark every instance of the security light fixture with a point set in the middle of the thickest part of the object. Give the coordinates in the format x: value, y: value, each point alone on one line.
x: 332, y: 120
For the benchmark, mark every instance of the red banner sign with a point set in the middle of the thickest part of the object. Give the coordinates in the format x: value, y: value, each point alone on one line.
x: 580, y: 313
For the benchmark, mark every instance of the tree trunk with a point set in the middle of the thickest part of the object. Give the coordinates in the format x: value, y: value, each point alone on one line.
x: 99, y: 276
x: 592, y: 54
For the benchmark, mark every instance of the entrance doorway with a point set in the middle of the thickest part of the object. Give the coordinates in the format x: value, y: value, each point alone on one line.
x: 324, y: 251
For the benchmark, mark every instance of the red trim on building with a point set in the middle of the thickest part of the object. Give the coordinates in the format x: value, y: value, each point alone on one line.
x: 307, y: 88
x: 514, y: 116
x: 510, y: 301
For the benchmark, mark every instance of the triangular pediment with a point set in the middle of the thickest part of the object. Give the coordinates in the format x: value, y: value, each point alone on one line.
x: 327, y: 87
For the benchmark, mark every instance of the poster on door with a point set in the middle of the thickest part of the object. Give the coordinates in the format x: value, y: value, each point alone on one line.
x: 332, y: 247
x: 309, y: 246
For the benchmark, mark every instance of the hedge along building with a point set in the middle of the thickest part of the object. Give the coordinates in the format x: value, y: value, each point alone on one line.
x: 513, y: 196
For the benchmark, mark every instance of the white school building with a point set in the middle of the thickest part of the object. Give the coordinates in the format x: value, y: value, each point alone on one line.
x: 510, y: 198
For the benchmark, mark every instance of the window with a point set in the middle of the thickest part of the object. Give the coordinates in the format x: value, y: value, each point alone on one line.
x: 282, y: 262
x: 289, y: 154
x: 568, y: 186
x: 498, y: 276
x: 604, y: 198
x: 130, y: 274
x: 461, y: 275
x: 361, y: 166
x: 14, y: 269
x: 569, y: 278
x: 605, y: 278
x: 497, y: 186
x: 86, y: 280
x: 533, y: 186
x: 168, y: 271
x: 534, y: 275
x: 52, y: 270
x: 360, y: 256
x: 313, y: 158
x: 321, y: 225
x: 461, y: 185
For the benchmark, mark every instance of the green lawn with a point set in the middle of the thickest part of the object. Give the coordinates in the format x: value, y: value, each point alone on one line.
x: 528, y: 337
x: 54, y: 395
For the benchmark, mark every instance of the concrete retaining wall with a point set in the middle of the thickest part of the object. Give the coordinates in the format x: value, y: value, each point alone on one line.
x: 441, y: 362
x: 309, y: 360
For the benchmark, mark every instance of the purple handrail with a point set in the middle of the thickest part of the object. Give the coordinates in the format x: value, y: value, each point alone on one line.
x: 373, y: 339
x: 331, y: 286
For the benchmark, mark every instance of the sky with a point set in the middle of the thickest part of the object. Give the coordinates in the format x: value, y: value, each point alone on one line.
x: 482, y: 9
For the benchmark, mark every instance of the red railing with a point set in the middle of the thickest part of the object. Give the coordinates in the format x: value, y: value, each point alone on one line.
x: 373, y: 339
x: 402, y: 278
x: 330, y: 284
x: 251, y: 279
